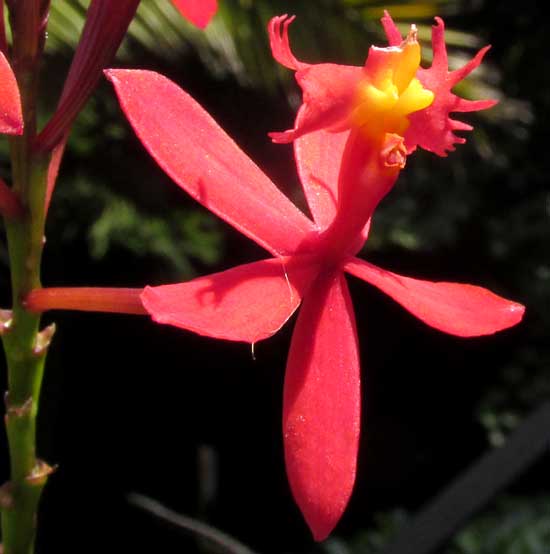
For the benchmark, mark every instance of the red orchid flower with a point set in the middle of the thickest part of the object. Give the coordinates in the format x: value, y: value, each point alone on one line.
x: 342, y: 184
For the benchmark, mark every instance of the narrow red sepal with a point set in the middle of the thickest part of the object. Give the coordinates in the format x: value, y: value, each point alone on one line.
x: 199, y: 156
x: 11, y: 116
x: 454, y: 308
x: 321, y: 410
x: 247, y: 303
x: 199, y: 12
x: 433, y: 128
x: 319, y: 158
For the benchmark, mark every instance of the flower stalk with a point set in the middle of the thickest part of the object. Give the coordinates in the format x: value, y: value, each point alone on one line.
x: 25, y: 345
x: 86, y: 299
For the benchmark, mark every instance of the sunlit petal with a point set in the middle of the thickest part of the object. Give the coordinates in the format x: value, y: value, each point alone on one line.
x: 455, y: 308
x: 321, y: 411
x: 197, y: 154
x: 247, y: 303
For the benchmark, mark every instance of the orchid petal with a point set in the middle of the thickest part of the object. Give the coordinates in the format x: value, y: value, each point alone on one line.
x: 432, y: 128
x: 278, y: 40
x: 247, y: 303
x: 463, y: 105
x: 454, y: 308
x: 390, y: 28
x: 318, y: 159
x: 199, y: 12
x: 328, y: 89
x: 321, y: 410
x: 11, y: 117
x: 461, y: 73
x: 197, y: 154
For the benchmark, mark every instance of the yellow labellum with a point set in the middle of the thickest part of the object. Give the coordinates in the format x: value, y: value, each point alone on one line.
x: 385, y: 98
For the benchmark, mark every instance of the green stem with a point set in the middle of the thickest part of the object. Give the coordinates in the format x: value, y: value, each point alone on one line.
x: 25, y: 348
x: 24, y: 345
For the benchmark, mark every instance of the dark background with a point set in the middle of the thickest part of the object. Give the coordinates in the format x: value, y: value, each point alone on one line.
x: 129, y: 406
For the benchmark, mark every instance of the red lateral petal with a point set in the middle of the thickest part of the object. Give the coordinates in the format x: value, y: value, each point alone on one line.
x: 318, y: 158
x: 454, y: 308
x: 11, y: 117
x: 391, y: 30
x: 321, y: 410
x: 277, y: 29
x: 247, y: 303
x: 197, y: 154
x: 199, y: 12
x: 458, y: 75
x: 463, y: 105
x: 329, y: 91
x: 432, y: 128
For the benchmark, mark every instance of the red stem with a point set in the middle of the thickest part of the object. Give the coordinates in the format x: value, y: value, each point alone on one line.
x: 86, y: 299
x: 106, y: 24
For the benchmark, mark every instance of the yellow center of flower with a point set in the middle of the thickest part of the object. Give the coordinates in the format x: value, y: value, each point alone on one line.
x: 391, y: 90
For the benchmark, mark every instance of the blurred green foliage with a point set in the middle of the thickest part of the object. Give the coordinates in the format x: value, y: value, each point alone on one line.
x: 512, y: 525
